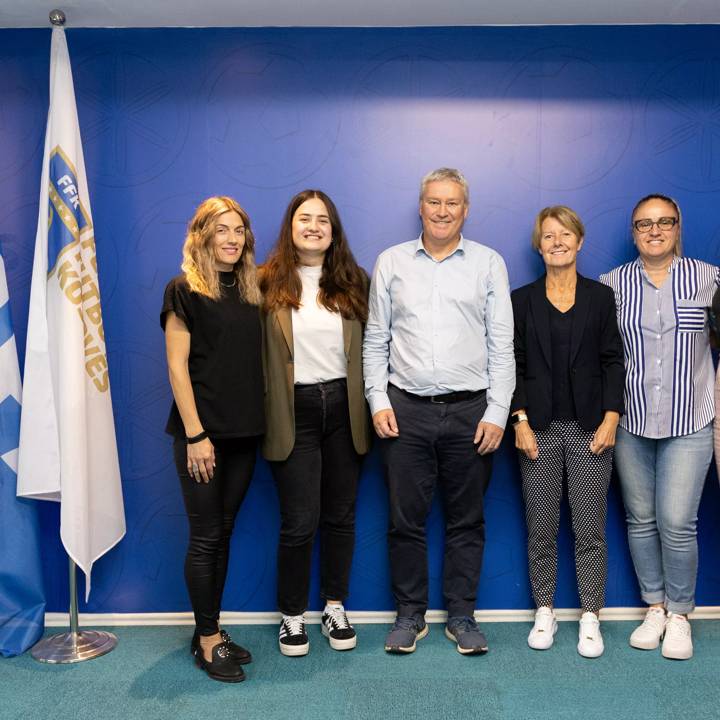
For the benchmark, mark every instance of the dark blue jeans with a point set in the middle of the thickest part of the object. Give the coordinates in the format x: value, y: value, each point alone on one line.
x: 317, y: 487
x: 435, y: 448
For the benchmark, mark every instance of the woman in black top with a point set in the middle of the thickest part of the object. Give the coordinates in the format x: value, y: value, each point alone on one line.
x: 211, y: 321
x: 565, y: 410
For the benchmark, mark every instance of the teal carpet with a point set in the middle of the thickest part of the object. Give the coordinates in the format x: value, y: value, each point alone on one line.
x: 151, y: 676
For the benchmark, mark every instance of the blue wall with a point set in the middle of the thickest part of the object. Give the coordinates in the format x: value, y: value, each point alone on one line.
x: 590, y: 117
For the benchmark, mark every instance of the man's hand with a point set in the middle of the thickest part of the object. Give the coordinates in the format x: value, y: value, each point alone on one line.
x: 385, y: 424
x: 487, y: 437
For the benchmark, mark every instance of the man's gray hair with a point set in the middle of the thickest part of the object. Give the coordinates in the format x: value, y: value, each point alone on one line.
x: 445, y: 173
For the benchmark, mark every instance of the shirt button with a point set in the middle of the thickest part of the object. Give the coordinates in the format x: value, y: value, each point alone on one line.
x: 659, y: 361
x: 658, y: 337
x: 657, y: 387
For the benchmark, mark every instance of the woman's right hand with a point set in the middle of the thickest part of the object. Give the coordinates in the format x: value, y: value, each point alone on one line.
x: 525, y: 440
x: 201, y: 460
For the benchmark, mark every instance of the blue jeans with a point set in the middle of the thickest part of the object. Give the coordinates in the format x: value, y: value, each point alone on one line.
x: 662, y: 482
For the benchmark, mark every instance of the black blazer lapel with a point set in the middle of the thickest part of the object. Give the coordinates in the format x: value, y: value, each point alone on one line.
x: 582, y: 306
x: 541, y: 318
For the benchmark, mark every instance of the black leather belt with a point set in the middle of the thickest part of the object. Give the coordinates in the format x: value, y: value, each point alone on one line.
x: 446, y: 398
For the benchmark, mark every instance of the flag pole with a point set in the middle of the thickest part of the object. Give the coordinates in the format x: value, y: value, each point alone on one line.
x: 76, y: 645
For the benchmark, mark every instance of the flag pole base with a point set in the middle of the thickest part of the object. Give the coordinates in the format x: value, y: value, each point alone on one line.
x: 72, y: 647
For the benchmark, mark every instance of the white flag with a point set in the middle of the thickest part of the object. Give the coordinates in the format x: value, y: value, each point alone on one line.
x: 67, y: 434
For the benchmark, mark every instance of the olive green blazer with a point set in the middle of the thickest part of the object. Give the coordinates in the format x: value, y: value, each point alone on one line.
x: 280, y: 385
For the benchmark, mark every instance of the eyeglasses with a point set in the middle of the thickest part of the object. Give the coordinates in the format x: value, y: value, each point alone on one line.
x: 663, y: 223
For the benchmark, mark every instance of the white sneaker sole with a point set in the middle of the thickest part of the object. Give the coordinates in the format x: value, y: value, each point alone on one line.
x: 547, y: 639
x: 294, y: 650
x: 335, y: 644
x: 464, y: 651
x: 591, y: 653
x: 645, y: 644
x: 410, y: 648
x: 674, y: 655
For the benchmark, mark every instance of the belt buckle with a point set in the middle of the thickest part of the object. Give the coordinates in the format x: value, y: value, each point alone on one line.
x: 434, y: 400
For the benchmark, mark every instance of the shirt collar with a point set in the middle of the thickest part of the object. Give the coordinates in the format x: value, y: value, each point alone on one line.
x: 675, y: 262
x: 420, y: 248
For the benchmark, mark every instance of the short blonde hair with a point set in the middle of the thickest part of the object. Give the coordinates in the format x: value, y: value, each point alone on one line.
x: 445, y: 173
x: 198, y: 263
x: 566, y: 216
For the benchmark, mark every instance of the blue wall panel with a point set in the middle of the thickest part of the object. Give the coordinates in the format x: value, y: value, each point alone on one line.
x: 590, y: 117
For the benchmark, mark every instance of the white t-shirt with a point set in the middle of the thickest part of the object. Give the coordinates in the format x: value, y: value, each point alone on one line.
x: 317, y: 335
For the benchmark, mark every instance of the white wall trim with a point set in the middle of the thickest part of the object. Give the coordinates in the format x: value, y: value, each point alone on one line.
x: 359, y: 617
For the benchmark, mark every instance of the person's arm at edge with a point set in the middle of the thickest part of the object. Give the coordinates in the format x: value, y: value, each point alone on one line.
x: 177, y: 347
x: 376, y: 353
x: 500, y: 357
x: 612, y: 365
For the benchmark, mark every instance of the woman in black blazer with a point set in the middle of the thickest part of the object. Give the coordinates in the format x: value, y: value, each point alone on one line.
x: 567, y: 404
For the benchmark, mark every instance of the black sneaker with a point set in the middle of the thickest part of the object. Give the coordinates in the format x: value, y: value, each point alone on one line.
x: 337, y: 629
x: 292, y: 637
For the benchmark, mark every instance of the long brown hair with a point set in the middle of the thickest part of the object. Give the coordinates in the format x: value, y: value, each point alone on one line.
x: 199, y: 258
x: 343, y: 283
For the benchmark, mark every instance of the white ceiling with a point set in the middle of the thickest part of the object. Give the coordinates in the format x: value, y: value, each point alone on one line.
x: 353, y: 13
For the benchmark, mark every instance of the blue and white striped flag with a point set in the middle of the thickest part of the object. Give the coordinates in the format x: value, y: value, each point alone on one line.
x: 22, y: 604
x: 67, y: 434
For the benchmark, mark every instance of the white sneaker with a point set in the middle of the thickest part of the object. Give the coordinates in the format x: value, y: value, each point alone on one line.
x: 590, y: 642
x: 336, y: 628
x: 647, y: 636
x: 292, y: 637
x: 677, y: 644
x: 543, y: 633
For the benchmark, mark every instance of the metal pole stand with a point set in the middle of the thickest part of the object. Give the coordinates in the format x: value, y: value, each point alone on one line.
x: 76, y: 645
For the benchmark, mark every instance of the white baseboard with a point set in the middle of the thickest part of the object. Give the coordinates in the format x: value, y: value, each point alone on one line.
x: 356, y: 616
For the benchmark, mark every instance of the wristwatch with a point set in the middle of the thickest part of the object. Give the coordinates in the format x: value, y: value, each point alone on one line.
x: 518, y: 418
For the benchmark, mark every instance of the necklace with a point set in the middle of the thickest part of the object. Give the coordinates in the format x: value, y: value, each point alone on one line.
x: 232, y: 284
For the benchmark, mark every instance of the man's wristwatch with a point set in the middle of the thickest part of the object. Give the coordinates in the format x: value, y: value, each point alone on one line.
x: 518, y: 418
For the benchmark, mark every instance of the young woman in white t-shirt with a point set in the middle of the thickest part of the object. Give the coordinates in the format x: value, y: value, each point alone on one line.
x: 315, y: 302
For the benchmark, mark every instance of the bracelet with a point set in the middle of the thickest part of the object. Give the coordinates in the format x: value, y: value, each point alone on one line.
x: 196, y: 438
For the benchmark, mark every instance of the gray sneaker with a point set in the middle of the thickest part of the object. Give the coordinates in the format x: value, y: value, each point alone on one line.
x: 404, y: 633
x: 464, y: 631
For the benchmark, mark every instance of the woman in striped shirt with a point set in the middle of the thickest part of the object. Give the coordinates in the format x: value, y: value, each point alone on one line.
x: 664, y: 443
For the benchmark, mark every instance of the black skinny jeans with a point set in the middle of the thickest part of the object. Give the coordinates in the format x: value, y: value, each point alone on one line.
x: 211, y: 510
x: 317, y: 487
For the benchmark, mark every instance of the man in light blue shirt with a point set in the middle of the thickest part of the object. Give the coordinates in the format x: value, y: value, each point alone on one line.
x: 439, y: 377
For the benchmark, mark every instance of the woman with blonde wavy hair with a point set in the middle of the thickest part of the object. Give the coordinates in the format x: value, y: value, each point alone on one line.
x: 211, y: 320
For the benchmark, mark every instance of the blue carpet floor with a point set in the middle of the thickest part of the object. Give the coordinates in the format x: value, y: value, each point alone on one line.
x: 151, y: 676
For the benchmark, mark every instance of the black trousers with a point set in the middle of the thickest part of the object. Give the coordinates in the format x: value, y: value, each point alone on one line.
x: 317, y: 487
x: 211, y: 509
x: 435, y: 447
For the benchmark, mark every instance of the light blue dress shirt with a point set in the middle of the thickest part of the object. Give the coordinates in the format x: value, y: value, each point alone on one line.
x: 436, y: 327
